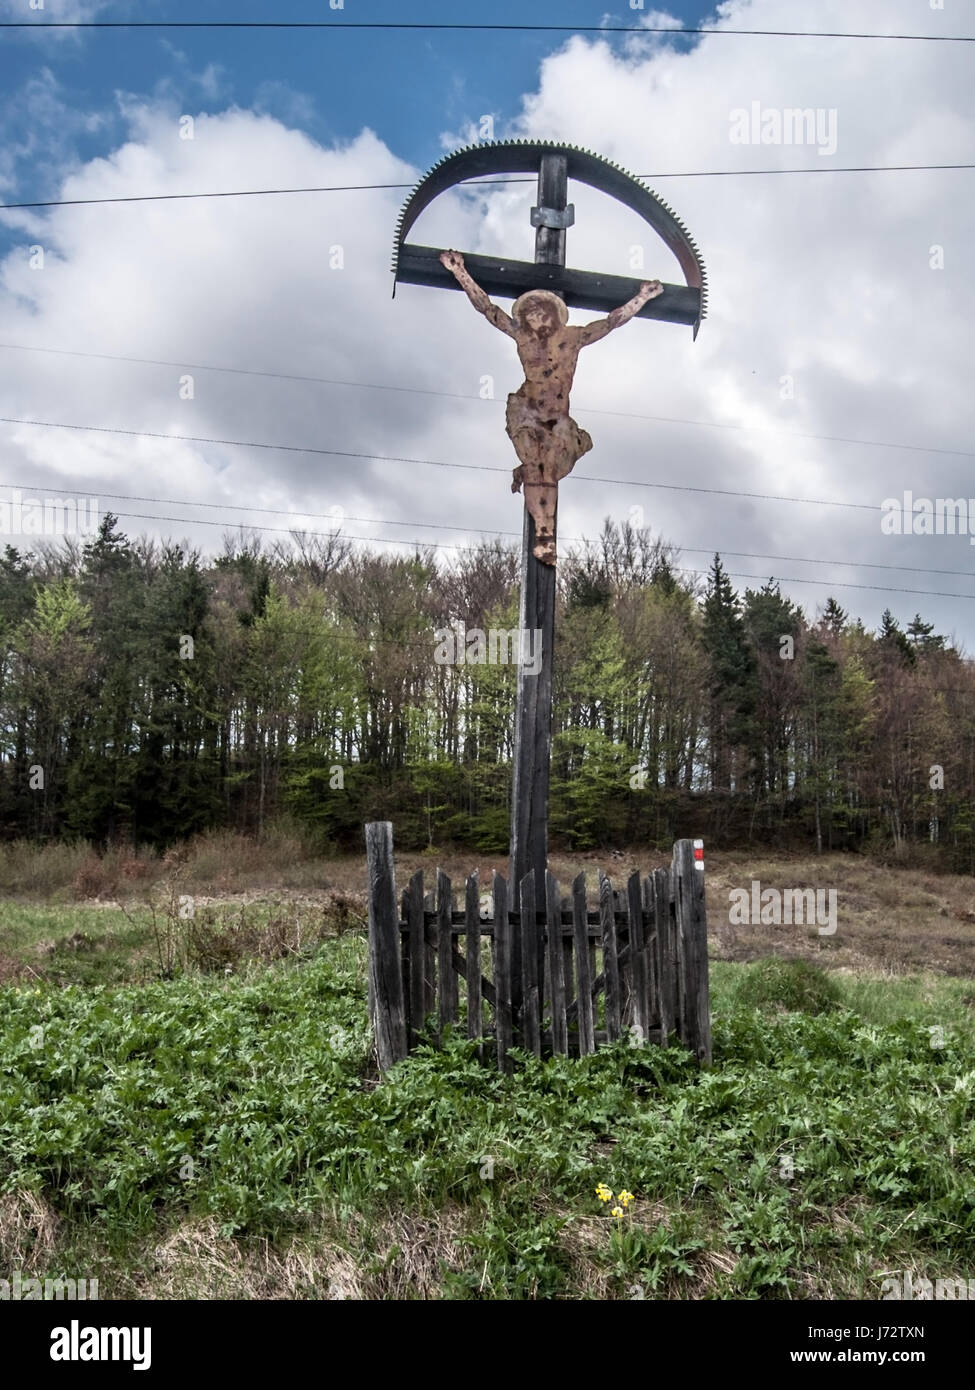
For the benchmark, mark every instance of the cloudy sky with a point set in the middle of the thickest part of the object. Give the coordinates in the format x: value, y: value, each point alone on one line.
x: 835, y: 363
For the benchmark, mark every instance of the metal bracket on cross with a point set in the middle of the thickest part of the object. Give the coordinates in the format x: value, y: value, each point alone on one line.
x: 582, y: 289
x: 559, y: 218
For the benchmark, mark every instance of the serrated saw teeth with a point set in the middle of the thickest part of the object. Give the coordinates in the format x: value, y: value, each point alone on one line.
x: 522, y: 156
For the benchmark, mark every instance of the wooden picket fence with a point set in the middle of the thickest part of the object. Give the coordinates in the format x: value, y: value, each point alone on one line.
x: 552, y: 974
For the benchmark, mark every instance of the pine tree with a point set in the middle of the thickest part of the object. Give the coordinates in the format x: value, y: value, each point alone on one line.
x: 892, y: 639
x: 834, y: 617
x: 774, y: 626
x: 732, y: 684
x: 922, y: 636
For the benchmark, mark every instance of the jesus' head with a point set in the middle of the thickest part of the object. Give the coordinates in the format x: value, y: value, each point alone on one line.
x: 540, y: 312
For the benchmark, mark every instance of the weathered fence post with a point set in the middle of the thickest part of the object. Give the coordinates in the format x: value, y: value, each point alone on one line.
x: 610, y: 961
x: 638, y: 958
x: 446, y: 976
x: 472, y: 936
x: 385, y: 977
x: 666, y: 955
x: 583, y: 967
x: 503, y: 1011
x: 694, y: 1000
x: 556, y: 964
x: 416, y: 993
x: 530, y: 1021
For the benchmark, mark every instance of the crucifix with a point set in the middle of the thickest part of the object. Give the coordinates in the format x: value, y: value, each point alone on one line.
x: 547, y: 440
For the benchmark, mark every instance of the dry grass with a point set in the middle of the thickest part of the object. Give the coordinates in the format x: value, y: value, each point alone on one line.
x: 398, y: 1257
x: 29, y: 1230
x: 196, y: 1262
x: 890, y: 919
x: 218, y: 862
x: 406, y: 1259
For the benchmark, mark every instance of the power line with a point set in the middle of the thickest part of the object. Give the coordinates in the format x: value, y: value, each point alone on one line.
x: 248, y: 444
x: 444, y: 545
x: 444, y: 526
x: 467, y: 396
x: 807, y: 560
x: 231, y: 193
x: 837, y: 584
x: 477, y: 183
x: 335, y: 27
x: 301, y: 531
x: 284, y: 511
x: 432, y: 463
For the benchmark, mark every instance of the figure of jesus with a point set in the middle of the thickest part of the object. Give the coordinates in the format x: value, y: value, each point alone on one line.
x: 547, y: 440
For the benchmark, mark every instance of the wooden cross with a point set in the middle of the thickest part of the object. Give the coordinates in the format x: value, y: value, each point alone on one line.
x: 547, y: 440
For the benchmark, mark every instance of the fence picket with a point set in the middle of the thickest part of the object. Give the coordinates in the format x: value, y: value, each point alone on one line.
x: 472, y: 927
x: 503, y: 1017
x: 447, y: 978
x: 429, y: 955
x: 692, y: 951
x: 385, y: 962
x: 666, y: 956
x: 583, y: 969
x: 624, y: 959
x: 556, y: 960
x: 568, y: 952
x: 610, y: 962
x: 414, y: 917
x: 638, y: 959
x: 531, y: 1033
x: 650, y: 950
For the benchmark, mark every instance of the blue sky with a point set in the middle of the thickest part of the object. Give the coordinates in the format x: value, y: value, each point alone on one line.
x: 408, y: 87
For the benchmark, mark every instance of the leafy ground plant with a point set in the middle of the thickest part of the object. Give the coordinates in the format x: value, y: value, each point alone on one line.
x: 227, y: 1136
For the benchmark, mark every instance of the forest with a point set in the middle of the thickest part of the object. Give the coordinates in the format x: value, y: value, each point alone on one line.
x: 149, y: 693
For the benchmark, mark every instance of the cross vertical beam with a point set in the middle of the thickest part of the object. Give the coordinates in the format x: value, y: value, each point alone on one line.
x: 533, y: 703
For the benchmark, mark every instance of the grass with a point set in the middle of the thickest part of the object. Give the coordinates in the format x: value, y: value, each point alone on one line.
x: 189, y: 1107
x: 890, y: 918
x: 218, y: 862
x: 147, y: 939
x: 214, y: 1136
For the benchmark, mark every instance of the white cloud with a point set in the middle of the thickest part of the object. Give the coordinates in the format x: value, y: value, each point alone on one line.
x: 50, y: 12
x: 40, y: 130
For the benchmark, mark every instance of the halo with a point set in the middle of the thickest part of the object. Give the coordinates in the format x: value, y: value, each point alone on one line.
x: 548, y: 297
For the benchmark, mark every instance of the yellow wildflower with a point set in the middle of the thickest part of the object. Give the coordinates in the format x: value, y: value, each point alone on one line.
x: 617, y: 1211
x: 604, y: 1193
x: 626, y: 1197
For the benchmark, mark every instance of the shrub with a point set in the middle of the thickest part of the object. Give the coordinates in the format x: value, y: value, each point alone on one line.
x: 796, y: 986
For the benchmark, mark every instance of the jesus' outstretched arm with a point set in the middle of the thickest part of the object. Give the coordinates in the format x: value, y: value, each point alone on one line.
x: 454, y: 262
x: 592, y: 332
